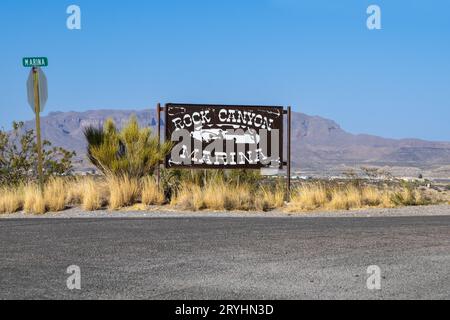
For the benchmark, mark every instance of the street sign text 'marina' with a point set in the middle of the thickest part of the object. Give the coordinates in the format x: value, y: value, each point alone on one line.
x: 35, y: 62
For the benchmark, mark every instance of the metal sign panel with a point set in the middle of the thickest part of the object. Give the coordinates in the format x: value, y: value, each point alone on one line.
x: 43, y: 88
x: 225, y: 137
x: 35, y: 62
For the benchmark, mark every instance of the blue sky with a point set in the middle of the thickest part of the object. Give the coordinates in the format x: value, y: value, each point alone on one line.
x: 317, y: 56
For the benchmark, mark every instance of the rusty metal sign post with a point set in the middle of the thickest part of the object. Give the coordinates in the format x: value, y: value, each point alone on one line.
x: 226, y: 137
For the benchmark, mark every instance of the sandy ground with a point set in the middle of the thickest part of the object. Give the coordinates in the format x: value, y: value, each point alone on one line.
x: 164, y: 212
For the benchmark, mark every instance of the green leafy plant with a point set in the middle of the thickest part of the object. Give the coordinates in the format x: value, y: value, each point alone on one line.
x: 18, y: 157
x: 132, y: 151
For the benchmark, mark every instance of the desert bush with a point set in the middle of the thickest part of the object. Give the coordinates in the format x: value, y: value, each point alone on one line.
x: 18, y: 157
x: 409, y: 196
x: 132, y: 151
x: 151, y: 193
x: 11, y: 199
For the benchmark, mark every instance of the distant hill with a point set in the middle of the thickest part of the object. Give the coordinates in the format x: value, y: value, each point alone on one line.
x: 320, y: 146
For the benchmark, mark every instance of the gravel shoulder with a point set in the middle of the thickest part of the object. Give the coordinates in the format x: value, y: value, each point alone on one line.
x: 164, y: 212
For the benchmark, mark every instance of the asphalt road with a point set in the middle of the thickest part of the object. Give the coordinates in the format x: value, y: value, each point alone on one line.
x: 226, y: 258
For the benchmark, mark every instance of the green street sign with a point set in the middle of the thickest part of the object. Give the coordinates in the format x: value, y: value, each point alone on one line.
x: 35, y: 62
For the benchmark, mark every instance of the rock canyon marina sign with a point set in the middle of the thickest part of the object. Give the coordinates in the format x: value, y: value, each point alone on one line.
x: 227, y: 137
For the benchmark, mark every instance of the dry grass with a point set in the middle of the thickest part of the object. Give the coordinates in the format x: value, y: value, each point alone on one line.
x: 318, y: 196
x: 239, y: 198
x: 55, y: 195
x: 189, y: 197
x: 93, y: 194
x: 34, y: 202
x: 11, y: 200
x: 309, y: 197
x: 75, y: 191
x: 123, y: 191
x: 214, y: 196
x: 151, y: 194
x: 409, y: 197
x: 345, y: 199
x: 266, y: 199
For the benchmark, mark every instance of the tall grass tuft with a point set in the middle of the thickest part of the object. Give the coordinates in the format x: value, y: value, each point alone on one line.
x: 267, y: 199
x: 92, y: 197
x: 123, y: 191
x: 408, y: 196
x: 34, y: 202
x: 189, y: 197
x: 55, y: 195
x: 345, y: 198
x: 151, y: 194
x: 11, y: 200
x: 214, y: 195
x: 309, y: 197
x: 75, y: 191
x: 238, y: 197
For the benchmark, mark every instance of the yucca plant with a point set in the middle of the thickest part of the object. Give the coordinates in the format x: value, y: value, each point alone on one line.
x: 132, y: 151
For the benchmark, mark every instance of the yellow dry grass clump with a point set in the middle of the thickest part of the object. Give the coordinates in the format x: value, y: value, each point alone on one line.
x: 348, y: 197
x: 214, y: 196
x: 151, y: 193
x: 266, y: 199
x: 55, y: 195
x: 123, y: 191
x: 93, y: 194
x: 309, y: 197
x: 189, y: 197
x: 11, y: 199
x: 218, y: 196
x: 75, y: 191
x: 34, y: 202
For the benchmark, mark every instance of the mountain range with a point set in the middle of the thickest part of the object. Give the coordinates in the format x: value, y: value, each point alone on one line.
x: 320, y: 146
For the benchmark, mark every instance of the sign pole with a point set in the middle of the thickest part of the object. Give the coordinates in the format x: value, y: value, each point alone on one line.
x: 37, y: 109
x: 289, y: 153
x: 158, y: 120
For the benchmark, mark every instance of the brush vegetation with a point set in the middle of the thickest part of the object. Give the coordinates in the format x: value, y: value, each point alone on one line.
x: 194, y: 191
x: 133, y: 151
x: 128, y: 157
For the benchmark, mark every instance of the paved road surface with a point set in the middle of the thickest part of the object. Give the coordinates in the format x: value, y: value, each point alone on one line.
x: 226, y: 258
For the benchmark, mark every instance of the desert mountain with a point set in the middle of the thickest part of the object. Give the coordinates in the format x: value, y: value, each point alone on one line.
x: 320, y: 146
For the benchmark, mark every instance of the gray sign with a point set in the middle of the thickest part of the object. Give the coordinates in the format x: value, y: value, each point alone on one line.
x: 43, y: 88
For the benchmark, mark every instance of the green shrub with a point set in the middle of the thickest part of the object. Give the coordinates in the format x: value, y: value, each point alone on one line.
x: 18, y: 157
x: 132, y: 151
